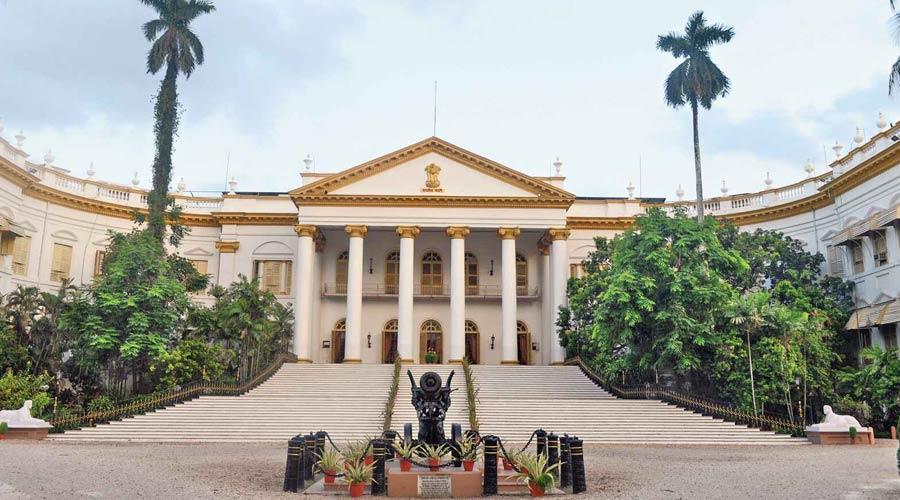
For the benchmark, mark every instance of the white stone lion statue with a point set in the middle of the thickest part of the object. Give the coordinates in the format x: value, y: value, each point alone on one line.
x: 836, y: 423
x: 22, y: 418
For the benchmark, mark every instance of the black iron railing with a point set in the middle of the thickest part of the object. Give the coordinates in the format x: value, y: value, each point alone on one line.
x: 693, y: 402
x: 154, y: 401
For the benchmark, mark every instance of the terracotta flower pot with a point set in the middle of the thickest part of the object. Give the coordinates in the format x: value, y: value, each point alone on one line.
x: 369, y: 460
x: 506, y: 465
x: 536, y: 491
x: 405, y: 465
x: 468, y: 465
x: 357, y: 489
x: 433, y: 464
x: 329, y: 476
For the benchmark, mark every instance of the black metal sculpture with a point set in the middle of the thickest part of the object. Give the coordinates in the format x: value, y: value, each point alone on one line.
x: 431, y: 401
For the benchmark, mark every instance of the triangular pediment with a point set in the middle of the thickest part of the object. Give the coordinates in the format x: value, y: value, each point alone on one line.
x: 431, y: 171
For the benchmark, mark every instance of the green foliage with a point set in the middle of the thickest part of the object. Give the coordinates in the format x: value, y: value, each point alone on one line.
x: 877, y: 382
x: 191, y: 360
x: 431, y: 357
x: 392, y: 395
x: 4, y: 427
x: 698, y: 301
x: 102, y: 403
x: 471, y: 395
x: 535, y: 470
x: 13, y: 354
x: 16, y: 389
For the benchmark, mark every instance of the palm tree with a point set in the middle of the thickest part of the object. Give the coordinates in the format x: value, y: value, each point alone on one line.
x: 177, y: 48
x: 751, y: 314
x: 697, y: 80
x: 895, y: 69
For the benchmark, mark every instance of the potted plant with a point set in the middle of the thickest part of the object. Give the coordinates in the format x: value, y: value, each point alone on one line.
x: 3, y: 428
x: 853, y: 432
x: 353, y: 453
x: 535, y: 472
x: 431, y: 358
x: 468, y: 450
x: 434, y: 454
x: 368, y: 452
x: 330, y: 462
x: 405, y: 451
x: 357, y: 476
x: 508, y: 460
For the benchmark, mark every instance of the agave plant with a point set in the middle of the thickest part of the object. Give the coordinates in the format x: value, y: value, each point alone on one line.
x: 468, y: 449
x: 330, y: 461
x: 433, y: 451
x: 405, y: 449
x: 535, y: 472
x: 354, y: 452
x: 358, y: 473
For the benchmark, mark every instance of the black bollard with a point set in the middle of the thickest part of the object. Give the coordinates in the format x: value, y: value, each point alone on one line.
x: 565, y: 467
x: 455, y: 437
x: 490, y: 465
x: 407, y: 433
x: 302, y: 460
x: 311, y: 458
x: 389, y: 438
x: 553, y: 452
x: 292, y: 465
x: 541, y: 437
x: 379, y: 481
x: 576, y: 446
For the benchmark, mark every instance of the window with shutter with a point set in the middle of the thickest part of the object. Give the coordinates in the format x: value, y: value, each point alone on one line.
x: 61, y: 263
x: 201, y: 266
x: 99, y: 260
x: 856, y: 257
x: 274, y: 275
x: 21, y: 249
x: 835, y: 262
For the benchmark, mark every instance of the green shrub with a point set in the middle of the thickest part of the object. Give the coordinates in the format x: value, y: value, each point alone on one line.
x: 16, y: 389
x: 13, y: 354
x: 102, y: 403
x: 3, y: 428
x: 191, y: 360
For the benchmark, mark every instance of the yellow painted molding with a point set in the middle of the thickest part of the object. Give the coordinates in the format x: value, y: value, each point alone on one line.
x: 227, y: 246
x: 408, y: 231
x: 307, y: 230
x: 458, y: 232
x: 509, y: 233
x: 353, y: 361
x: 356, y: 230
x: 556, y: 233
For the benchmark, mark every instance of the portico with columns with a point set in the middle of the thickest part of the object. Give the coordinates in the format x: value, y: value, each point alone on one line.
x: 430, y: 249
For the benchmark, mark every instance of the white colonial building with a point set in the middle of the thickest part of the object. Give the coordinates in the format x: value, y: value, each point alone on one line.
x: 435, y: 248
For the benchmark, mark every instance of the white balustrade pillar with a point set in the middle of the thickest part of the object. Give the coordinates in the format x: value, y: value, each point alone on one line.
x: 405, y: 327
x: 457, y: 292
x: 303, y: 284
x: 547, y: 316
x: 353, y: 343
x: 559, y: 274
x: 508, y: 340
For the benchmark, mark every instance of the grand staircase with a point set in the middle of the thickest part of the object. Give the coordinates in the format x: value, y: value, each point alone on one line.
x: 348, y: 402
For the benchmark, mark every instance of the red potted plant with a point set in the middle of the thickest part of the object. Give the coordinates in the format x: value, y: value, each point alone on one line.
x: 330, y: 462
x: 405, y: 451
x: 468, y: 450
x: 534, y: 471
x: 434, y: 454
x: 357, y: 477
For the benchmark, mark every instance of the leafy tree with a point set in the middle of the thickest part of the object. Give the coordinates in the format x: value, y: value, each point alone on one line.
x: 191, y: 360
x: 697, y: 81
x: 878, y: 382
x: 133, y: 312
x: 13, y: 354
x: 16, y: 389
x: 177, y: 48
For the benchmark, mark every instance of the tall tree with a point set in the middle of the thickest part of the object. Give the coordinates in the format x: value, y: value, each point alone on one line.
x: 177, y: 48
x: 697, y: 80
x: 895, y: 69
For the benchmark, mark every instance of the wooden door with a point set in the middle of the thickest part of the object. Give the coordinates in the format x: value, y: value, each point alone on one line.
x: 524, y: 348
x: 389, y: 347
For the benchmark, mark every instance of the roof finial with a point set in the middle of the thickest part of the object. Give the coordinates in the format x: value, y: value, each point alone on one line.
x: 308, y: 162
x: 182, y: 186
x: 768, y: 180
x: 232, y: 185
x: 859, y: 138
x: 48, y: 157
x: 837, y: 148
x: 557, y: 166
x: 881, y: 123
x: 630, y: 189
x: 809, y: 168
x: 136, y: 181
x: 724, y: 188
x: 679, y: 192
x: 20, y: 139
x: 91, y: 171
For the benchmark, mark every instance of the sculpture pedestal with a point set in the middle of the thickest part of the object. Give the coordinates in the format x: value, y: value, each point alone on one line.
x: 449, y: 482
x: 866, y: 436
x: 32, y: 433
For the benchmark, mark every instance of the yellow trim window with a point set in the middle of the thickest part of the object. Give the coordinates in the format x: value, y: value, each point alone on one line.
x: 17, y: 247
x: 99, y: 262
x: 61, y: 265
x: 274, y: 275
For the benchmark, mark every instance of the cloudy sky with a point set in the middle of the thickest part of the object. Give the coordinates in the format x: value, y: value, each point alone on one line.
x: 520, y: 82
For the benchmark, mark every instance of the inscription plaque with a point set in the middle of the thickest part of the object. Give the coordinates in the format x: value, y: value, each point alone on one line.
x: 434, y: 486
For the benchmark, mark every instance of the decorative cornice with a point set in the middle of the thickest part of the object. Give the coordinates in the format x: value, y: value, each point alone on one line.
x: 256, y: 219
x: 459, y: 232
x: 781, y: 211
x: 318, y: 191
x: 307, y: 230
x: 408, y: 231
x: 227, y: 246
x: 374, y: 200
x: 595, y: 223
x: 356, y: 230
x: 558, y: 233
x: 864, y: 171
x: 509, y: 233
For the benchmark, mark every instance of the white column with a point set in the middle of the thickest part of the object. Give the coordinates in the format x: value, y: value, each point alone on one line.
x: 508, y: 344
x: 405, y: 327
x: 559, y: 274
x: 303, y: 284
x: 353, y: 339
x: 226, y: 250
x: 547, y: 316
x: 457, y: 236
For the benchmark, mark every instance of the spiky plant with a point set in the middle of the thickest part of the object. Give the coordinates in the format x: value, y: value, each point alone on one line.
x: 697, y: 81
x: 471, y: 395
x: 178, y: 49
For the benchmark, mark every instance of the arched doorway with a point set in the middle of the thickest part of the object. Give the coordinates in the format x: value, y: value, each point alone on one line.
x: 389, y: 341
x: 338, y: 336
x: 472, y: 342
x: 523, y: 343
x: 431, y: 338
